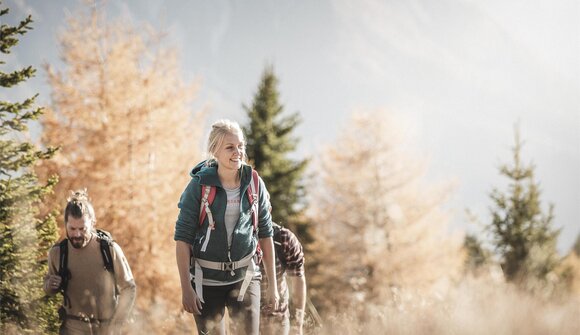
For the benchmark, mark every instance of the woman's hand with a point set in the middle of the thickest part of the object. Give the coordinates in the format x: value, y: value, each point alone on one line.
x: 190, y: 300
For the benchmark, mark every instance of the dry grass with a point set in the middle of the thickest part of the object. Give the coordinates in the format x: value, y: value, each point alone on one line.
x: 475, y: 306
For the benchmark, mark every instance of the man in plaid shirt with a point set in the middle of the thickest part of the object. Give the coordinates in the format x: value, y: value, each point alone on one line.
x: 289, y: 264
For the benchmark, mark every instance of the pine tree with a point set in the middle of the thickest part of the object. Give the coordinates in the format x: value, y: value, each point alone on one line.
x: 576, y: 247
x: 522, y: 233
x: 477, y: 255
x: 122, y: 114
x: 269, y: 143
x: 24, y: 239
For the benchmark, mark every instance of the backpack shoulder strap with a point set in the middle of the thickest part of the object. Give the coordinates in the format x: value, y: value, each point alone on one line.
x: 106, y: 242
x: 208, y: 196
x: 278, y: 248
x: 253, y: 193
x: 207, y: 199
x: 63, y: 258
x: 63, y: 271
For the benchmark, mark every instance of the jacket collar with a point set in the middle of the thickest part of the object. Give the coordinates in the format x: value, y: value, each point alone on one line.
x: 208, y: 175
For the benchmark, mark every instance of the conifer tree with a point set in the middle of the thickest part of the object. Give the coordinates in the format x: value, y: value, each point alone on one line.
x: 576, y: 247
x: 522, y: 233
x: 477, y: 255
x: 380, y: 229
x: 24, y: 238
x: 122, y: 114
x: 269, y: 143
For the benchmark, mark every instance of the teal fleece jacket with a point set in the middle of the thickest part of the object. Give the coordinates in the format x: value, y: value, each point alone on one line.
x: 188, y: 229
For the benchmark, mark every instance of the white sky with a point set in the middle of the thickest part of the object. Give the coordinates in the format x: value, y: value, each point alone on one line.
x: 464, y: 71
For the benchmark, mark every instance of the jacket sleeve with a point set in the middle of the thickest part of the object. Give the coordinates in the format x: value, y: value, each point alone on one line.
x: 187, y: 220
x: 264, y: 217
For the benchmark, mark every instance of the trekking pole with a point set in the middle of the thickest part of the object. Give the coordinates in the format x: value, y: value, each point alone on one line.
x: 313, y: 312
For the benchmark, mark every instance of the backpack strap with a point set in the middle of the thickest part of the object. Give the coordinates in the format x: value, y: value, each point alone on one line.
x: 278, y: 248
x: 206, y: 200
x: 63, y: 271
x: 253, y: 193
x: 106, y: 241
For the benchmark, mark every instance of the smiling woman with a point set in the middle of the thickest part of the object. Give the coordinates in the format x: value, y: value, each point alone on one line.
x: 220, y: 234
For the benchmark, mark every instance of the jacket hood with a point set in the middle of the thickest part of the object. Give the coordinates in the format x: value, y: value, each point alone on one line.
x: 200, y: 166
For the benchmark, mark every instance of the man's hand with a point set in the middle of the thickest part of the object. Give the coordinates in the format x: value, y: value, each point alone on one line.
x: 190, y: 300
x: 296, y: 330
x: 299, y: 321
x: 273, y: 299
x: 52, y: 283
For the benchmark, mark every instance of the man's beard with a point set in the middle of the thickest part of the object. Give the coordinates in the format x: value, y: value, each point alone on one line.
x: 78, y: 242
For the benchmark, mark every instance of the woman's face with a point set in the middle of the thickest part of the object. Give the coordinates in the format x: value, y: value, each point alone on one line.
x: 231, y: 152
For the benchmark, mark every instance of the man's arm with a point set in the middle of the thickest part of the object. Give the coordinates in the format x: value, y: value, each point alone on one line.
x: 298, y: 291
x: 294, y: 257
x: 126, y: 286
x: 52, y: 280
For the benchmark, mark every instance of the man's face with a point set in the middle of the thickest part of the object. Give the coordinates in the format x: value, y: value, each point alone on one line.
x: 78, y: 231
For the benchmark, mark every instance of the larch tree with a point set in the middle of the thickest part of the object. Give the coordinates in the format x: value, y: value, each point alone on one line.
x: 522, y: 233
x: 24, y: 237
x: 122, y: 114
x: 380, y: 229
x: 269, y: 143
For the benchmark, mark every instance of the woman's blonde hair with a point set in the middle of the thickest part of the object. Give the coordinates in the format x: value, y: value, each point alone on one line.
x: 218, y: 132
x: 78, y: 205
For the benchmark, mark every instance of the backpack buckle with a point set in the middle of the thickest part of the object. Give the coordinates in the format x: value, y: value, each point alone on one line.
x: 228, y: 266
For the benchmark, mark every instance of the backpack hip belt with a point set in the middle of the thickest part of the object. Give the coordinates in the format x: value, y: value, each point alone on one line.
x: 247, y: 261
x: 226, y: 266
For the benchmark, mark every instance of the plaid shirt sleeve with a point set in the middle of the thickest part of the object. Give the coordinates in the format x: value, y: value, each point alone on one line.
x: 293, y: 253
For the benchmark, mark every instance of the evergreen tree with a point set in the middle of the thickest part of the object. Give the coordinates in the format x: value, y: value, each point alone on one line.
x: 24, y: 239
x: 269, y: 142
x: 477, y: 255
x: 522, y: 233
x: 576, y: 247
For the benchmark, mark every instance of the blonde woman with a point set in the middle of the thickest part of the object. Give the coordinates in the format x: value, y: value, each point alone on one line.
x: 222, y: 225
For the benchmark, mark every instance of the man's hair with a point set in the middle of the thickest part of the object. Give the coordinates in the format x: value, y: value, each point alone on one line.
x: 79, y: 206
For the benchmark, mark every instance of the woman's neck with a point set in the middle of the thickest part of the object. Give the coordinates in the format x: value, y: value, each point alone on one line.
x: 229, y: 178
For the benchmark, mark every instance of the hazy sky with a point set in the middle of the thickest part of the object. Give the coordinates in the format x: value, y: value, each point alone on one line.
x: 463, y: 71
